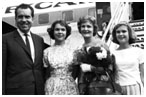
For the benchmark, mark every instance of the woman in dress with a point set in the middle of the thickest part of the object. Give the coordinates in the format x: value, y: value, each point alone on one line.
x: 87, y: 28
x: 129, y: 60
x: 59, y: 59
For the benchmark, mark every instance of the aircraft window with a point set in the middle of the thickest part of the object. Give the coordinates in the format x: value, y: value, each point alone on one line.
x: 43, y: 18
x: 91, y: 12
x: 67, y: 15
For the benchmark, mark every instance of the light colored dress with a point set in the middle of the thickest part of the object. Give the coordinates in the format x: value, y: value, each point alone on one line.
x: 128, y: 76
x: 60, y: 59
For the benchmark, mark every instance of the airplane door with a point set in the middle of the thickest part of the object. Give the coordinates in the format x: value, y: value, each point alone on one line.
x: 137, y: 10
x: 103, y: 13
x: 6, y: 28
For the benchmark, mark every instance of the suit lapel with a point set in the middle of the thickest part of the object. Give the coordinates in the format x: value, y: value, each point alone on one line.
x: 20, y: 41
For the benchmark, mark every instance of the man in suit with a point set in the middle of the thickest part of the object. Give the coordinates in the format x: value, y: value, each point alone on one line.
x: 22, y: 66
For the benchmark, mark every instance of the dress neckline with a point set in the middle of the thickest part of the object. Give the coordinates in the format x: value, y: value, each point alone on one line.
x: 124, y: 49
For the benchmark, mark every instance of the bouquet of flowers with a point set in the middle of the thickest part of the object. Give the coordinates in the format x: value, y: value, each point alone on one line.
x: 98, y: 56
x: 100, y: 82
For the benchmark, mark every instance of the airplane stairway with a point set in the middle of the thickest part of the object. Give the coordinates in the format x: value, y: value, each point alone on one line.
x: 118, y: 15
x: 138, y: 26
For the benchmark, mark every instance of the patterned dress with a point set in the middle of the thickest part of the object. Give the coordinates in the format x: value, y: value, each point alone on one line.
x: 60, y: 59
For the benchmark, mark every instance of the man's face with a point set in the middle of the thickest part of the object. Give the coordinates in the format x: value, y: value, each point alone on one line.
x: 24, y: 19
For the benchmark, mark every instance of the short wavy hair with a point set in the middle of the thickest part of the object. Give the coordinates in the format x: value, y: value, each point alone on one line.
x: 90, y: 19
x: 62, y: 23
x: 132, y: 35
x: 24, y: 6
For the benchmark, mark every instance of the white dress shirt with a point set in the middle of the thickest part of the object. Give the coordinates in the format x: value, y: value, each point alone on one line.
x: 30, y: 41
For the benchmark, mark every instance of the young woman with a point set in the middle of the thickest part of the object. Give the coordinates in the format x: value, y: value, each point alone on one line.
x: 88, y: 29
x: 129, y: 60
x: 59, y: 59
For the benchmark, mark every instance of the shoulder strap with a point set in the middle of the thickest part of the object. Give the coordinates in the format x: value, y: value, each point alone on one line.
x: 114, y: 85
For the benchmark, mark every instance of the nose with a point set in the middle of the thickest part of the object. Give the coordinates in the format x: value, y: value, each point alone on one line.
x: 85, y: 28
x: 59, y: 31
x: 121, y: 33
x: 23, y: 19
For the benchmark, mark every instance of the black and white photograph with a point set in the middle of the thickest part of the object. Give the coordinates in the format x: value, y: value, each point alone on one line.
x: 72, y: 48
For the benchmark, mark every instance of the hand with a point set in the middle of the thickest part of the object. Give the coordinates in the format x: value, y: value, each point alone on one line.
x: 104, y: 78
x: 97, y: 70
x: 85, y: 67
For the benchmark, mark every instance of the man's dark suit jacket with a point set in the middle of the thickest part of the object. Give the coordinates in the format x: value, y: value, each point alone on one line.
x: 20, y: 75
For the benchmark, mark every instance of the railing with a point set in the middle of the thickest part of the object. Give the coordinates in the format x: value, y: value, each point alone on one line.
x: 118, y: 13
x: 138, y: 27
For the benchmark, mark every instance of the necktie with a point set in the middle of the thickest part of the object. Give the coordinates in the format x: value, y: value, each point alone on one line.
x: 27, y: 42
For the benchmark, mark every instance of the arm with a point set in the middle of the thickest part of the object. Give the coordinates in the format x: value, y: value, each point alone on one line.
x: 141, y: 64
x: 97, y: 69
x: 141, y: 67
x: 47, y: 72
x: 46, y: 65
x: 81, y: 83
x: 75, y: 70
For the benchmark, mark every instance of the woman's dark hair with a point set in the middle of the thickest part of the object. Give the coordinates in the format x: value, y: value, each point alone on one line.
x: 62, y: 23
x: 90, y: 19
x: 132, y: 35
x: 24, y: 6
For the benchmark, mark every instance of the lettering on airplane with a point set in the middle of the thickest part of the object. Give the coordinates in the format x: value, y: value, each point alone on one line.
x: 45, y: 5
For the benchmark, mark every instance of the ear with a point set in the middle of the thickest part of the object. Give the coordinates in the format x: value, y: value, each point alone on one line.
x: 32, y: 19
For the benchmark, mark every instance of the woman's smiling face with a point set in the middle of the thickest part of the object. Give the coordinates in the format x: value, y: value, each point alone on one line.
x: 60, y: 32
x: 122, y: 34
x: 87, y: 29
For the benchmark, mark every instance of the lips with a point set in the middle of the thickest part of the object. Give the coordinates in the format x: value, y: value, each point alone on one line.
x: 24, y: 26
x: 60, y: 35
x: 85, y: 32
x: 121, y: 37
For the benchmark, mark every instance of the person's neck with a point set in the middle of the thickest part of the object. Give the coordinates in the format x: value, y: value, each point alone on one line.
x: 88, y: 41
x: 23, y: 31
x: 59, y: 43
x: 124, y: 46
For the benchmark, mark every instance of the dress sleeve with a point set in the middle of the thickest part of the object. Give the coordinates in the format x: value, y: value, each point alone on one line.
x: 141, y: 56
x: 45, y: 58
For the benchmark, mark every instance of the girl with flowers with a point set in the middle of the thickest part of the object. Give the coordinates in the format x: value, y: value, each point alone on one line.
x: 90, y: 65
